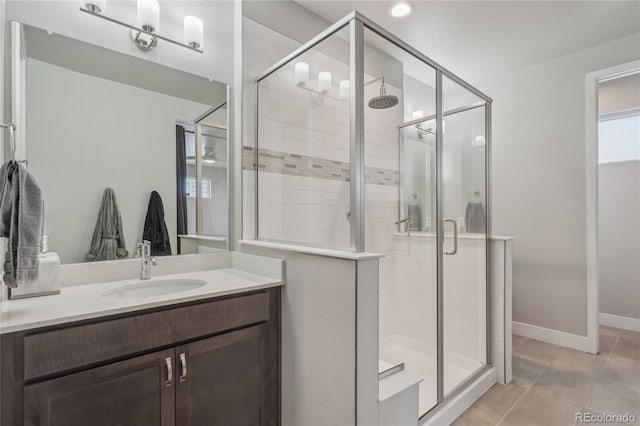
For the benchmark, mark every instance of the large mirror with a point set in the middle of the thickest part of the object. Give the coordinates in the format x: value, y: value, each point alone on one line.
x: 123, y: 148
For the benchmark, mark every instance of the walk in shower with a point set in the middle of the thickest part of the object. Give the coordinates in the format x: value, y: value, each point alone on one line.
x: 365, y: 144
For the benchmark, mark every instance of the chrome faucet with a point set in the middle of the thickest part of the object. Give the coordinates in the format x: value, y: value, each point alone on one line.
x: 407, y: 221
x: 146, y: 260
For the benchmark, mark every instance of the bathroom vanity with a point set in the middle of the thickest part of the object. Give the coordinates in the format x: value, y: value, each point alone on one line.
x: 205, y: 355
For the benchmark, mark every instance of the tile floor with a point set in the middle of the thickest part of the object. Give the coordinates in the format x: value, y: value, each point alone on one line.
x: 551, y: 383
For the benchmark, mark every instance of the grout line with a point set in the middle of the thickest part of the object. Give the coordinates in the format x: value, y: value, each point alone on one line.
x: 514, y: 404
x: 523, y: 394
x: 605, y: 364
x: 529, y: 386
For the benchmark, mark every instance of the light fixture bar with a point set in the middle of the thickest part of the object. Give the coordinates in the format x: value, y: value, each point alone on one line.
x: 317, y: 92
x: 133, y: 27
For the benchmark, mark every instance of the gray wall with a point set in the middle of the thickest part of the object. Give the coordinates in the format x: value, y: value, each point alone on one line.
x: 619, y: 238
x: 77, y: 147
x: 539, y: 184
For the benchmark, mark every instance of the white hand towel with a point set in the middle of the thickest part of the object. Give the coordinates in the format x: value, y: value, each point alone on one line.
x: 48, y: 281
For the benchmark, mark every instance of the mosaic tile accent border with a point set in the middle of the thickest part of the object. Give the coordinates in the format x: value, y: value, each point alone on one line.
x: 319, y: 168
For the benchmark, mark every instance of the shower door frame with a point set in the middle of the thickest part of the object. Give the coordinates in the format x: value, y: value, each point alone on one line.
x: 440, y: 231
x: 357, y: 24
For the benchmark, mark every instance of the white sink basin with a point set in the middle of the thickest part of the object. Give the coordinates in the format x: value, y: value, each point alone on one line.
x: 154, y: 288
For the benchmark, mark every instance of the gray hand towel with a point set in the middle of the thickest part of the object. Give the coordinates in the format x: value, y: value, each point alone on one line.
x: 21, y: 221
x: 475, y: 218
x: 414, y: 210
x: 108, y: 239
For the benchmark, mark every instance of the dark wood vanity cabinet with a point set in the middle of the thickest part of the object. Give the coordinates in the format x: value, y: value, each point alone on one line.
x: 129, y: 392
x: 215, y: 362
x: 224, y: 380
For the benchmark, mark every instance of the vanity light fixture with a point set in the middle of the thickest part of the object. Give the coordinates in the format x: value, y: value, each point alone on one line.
x: 193, y: 31
x: 325, y: 82
x: 478, y: 142
x: 149, y: 21
x: 422, y: 130
x: 302, y: 73
x: 97, y: 6
x: 401, y: 9
x: 145, y: 32
x: 345, y: 87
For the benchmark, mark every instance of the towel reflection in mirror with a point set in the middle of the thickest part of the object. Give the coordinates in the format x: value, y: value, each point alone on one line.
x: 108, y: 241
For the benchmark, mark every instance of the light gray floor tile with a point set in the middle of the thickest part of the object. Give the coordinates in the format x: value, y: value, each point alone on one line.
x: 609, y: 331
x: 525, y: 371
x: 570, y: 383
x: 627, y: 345
x: 620, y: 369
x: 551, y: 384
x: 628, y: 334
x: 468, y: 419
x: 495, y: 404
x: 538, y: 408
x: 541, y: 352
x: 571, y: 358
x: 615, y: 398
x: 606, y: 344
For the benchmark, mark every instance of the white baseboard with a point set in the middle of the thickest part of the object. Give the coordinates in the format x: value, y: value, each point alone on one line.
x: 560, y: 338
x: 617, y: 321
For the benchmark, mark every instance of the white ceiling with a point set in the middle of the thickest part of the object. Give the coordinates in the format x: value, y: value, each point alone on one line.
x: 475, y: 38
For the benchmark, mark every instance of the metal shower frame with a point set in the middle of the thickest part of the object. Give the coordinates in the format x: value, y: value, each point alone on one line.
x: 357, y: 24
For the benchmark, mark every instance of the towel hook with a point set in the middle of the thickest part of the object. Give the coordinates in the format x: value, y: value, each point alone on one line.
x: 12, y: 138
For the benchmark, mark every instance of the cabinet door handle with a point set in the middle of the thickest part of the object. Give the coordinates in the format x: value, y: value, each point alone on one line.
x: 183, y: 361
x: 169, y: 372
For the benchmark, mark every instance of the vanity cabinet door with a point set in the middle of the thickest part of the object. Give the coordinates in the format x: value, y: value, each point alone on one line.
x: 226, y: 380
x: 134, y: 392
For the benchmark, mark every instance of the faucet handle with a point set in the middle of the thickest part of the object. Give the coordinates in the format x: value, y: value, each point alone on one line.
x: 143, y: 248
x: 146, y: 246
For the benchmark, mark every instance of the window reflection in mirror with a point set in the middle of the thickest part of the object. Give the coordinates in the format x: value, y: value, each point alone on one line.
x: 205, y: 181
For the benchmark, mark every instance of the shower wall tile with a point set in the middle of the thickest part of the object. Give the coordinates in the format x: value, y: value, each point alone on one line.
x: 287, y: 163
x: 304, y: 209
x: 303, y: 151
x: 262, y: 47
x: 408, y: 276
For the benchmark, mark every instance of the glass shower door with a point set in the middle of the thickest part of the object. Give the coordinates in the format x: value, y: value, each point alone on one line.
x: 400, y: 209
x: 415, y: 257
x: 464, y: 217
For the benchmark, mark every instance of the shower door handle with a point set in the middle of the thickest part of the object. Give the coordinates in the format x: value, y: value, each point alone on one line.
x: 455, y: 236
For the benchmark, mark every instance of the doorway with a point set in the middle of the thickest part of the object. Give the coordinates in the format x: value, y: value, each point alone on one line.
x: 613, y: 199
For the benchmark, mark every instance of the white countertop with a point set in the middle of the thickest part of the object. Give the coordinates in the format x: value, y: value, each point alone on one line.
x: 81, y: 302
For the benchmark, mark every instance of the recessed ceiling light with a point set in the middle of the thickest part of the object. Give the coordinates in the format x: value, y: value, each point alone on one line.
x: 401, y: 9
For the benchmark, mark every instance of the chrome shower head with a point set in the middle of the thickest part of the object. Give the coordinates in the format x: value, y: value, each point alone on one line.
x: 383, y: 101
